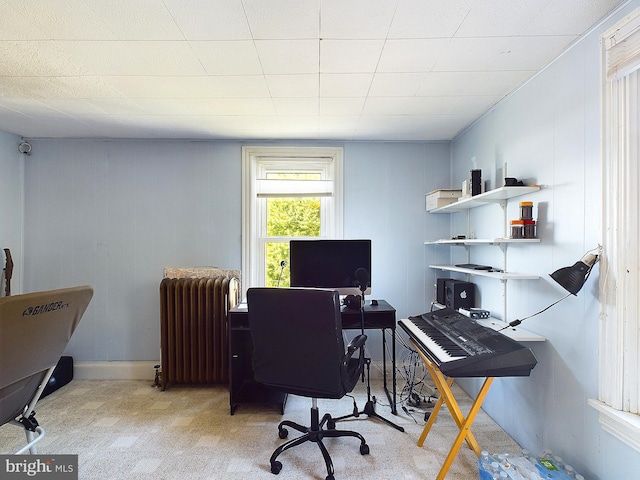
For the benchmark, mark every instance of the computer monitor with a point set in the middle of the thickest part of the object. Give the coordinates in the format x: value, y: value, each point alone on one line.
x: 330, y: 264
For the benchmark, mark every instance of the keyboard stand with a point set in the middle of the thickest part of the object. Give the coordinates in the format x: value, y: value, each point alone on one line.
x: 443, y: 384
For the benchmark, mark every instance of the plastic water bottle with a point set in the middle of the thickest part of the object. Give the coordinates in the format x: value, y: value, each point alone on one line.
x: 579, y: 477
x: 568, y: 469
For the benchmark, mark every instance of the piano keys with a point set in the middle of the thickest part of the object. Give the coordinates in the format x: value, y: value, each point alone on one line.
x: 460, y: 347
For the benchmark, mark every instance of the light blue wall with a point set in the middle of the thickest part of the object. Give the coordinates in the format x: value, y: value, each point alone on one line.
x: 549, y: 133
x: 11, y: 204
x: 113, y: 214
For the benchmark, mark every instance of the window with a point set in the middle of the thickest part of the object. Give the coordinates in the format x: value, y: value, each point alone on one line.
x: 619, y: 397
x: 288, y: 192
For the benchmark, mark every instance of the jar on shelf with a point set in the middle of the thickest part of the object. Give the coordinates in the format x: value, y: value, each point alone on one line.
x: 526, y: 210
x: 517, y: 228
x: 529, y: 229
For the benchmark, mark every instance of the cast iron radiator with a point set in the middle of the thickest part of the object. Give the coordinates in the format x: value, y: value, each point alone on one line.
x: 193, y: 325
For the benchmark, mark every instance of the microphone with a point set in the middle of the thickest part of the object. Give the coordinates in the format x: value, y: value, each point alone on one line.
x: 283, y: 264
x: 362, y: 277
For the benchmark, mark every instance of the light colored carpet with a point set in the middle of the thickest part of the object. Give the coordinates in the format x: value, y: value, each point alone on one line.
x: 130, y: 430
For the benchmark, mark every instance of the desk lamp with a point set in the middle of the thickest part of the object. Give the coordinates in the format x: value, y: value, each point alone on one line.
x: 572, y: 279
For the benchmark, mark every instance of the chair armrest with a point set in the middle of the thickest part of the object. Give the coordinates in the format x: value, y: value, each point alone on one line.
x: 356, y: 343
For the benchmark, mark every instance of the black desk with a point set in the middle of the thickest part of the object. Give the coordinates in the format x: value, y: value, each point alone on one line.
x: 243, y: 389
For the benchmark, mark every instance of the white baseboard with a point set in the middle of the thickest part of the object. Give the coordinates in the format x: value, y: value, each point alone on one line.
x: 114, y: 370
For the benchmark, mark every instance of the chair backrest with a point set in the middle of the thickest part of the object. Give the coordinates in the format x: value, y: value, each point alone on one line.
x: 297, y: 340
x: 35, y: 329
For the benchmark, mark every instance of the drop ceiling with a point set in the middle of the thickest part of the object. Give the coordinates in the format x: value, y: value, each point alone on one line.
x: 272, y: 69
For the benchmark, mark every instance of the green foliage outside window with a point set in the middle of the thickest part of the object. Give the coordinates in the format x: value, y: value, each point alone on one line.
x: 288, y: 218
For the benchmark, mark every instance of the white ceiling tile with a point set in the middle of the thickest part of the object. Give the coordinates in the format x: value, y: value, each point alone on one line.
x: 345, y: 85
x: 210, y: 20
x: 142, y: 86
x: 283, y: 19
x: 288, y: 56
x: 74, y: 107
x: 300, y: 124
x: 239, y: 86
x: 499, y: 53
x: 37, y: 58
x: 136, y: 19
x: 16, y: 23
x: 117, y: 106
x: 234, y: 57
x: 133, y: 57
x: 296, y: 106
x: 386, y: 105
x: 491, y: 18
x: 458, y: 105
x: 356, y: 18
x: 414, y: 55
x: 340, y: 127
x: 350, y: 56
x: 428, y: 18
x: 346, y: 106
x: 396, y: 84
x: 302, y: 85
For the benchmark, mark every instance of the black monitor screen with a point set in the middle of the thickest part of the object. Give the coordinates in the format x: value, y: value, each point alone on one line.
x: 329, y: 264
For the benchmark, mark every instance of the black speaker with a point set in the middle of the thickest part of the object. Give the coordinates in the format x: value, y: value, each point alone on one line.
x: 62, y: 374
x: 441, y: 295
x: 459, y: 294
x: 476, y: 182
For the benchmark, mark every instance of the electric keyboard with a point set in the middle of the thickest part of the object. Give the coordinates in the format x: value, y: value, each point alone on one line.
x: 460, y: 347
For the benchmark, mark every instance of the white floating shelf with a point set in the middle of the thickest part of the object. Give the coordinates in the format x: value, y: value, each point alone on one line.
x: 485, y: 273
x: 516, y: 333
x: 492, y: 196
x: 482, y: 241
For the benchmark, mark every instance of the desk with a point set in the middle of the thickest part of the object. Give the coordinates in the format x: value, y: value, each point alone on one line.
x: 243, y: 389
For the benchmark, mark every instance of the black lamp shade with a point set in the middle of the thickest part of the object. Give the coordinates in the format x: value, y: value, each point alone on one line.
x: 572, y: 278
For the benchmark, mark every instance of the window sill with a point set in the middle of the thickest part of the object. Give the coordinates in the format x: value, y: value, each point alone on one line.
x: 622, y: 425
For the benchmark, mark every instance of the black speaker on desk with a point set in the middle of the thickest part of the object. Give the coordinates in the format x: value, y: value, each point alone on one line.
x: 460, y: 294
x: 441, y: 294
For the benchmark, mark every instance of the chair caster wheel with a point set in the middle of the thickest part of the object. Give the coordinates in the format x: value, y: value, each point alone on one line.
x: 283, y: 433
x: 331, y: 424
x: 276, y: 467
x: 364, y: 449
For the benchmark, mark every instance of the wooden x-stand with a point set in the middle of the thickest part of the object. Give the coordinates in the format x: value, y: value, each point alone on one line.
x: 443, y: 384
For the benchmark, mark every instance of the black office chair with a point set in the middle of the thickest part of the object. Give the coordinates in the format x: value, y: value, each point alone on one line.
x: 298, y: 349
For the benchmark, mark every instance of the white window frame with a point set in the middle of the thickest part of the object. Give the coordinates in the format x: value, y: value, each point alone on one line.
x: 256, y: 162
x: 619, y: 388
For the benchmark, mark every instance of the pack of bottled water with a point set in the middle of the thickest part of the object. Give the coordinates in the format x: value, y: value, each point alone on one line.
x: 525, y: 466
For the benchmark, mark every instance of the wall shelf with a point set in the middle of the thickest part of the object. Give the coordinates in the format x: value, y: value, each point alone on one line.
x: 499, y: 196
x: 480, y: 241
x: 485, y: 273
x: 493, y: 196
